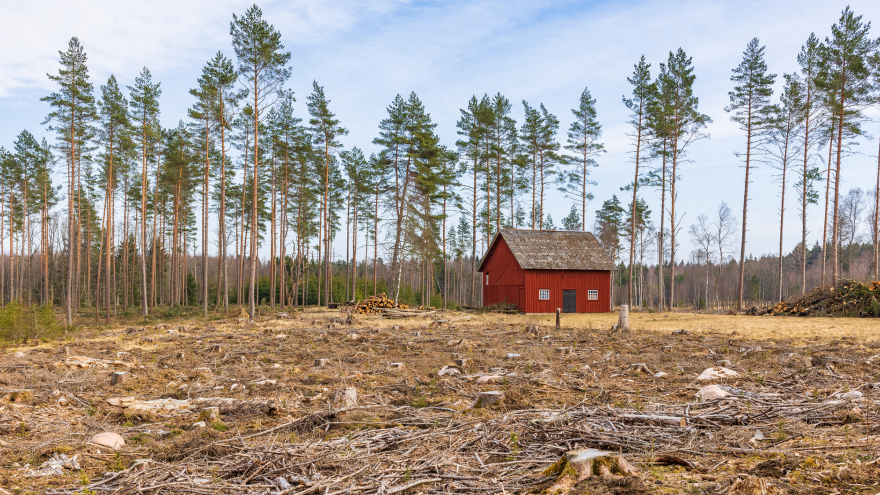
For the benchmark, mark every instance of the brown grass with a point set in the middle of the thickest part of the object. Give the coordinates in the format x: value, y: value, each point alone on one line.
x: 404, y: 402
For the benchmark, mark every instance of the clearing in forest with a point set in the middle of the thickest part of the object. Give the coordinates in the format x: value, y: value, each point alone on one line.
x: 311, y: 403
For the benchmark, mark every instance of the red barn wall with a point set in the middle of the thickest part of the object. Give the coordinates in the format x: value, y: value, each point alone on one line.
x: 507, y: 281
x: 557, y: 281
x: 505, y: 276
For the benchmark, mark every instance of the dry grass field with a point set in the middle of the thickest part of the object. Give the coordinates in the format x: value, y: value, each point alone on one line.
x: 313, y: 404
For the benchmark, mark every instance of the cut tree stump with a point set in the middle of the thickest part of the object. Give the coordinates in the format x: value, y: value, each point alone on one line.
x: 623, y: 320
x: 320, y: 363
x: 209, y: 414
x: 118, y: 377
x: 578, y: 465
x: 486, y: 399
x: 461, y: 362
x: 345, y: 398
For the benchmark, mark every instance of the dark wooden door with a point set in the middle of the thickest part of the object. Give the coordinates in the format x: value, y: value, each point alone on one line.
x: 569, y: 301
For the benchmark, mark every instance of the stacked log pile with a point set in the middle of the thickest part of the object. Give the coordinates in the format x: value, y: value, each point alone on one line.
x: 375, y: 304
x: 849, y: 298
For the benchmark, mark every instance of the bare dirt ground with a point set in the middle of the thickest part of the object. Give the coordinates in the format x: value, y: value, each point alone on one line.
x: 379, y: 416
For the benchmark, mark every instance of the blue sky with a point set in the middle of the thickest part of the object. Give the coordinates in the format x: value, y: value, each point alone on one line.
x: 366, y: 52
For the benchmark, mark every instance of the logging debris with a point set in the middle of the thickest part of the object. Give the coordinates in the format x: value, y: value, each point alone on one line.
x: 849, y: 298
x: 320, y: 412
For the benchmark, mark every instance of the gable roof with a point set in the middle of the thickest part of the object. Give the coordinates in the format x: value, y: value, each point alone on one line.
x: 553, y: 250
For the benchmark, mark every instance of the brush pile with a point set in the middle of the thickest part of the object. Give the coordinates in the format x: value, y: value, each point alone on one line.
x: 375, y: 304
x: 849, y: 298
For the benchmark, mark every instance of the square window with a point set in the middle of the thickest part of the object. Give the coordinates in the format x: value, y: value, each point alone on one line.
x: 544, y: 294
x: 592, y: 295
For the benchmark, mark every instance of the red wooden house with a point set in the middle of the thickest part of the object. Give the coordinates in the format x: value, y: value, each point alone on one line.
x: 541, y: 270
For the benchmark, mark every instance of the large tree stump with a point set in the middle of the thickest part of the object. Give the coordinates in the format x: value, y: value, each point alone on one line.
x: 345, y: 398
x: 623, y: 320
x: 118, y: 377
x: 578, y: 465
x: 209, y: 414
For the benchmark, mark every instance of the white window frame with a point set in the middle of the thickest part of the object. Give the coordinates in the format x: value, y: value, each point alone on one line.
x: 543, y: 294
x: 592, y: 295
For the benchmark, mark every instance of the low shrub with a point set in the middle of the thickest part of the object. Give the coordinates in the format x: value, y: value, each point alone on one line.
x: 19, y: 323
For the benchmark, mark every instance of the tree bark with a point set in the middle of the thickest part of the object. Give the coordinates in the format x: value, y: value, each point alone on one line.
x: 835, y: 229
x: 632, y: 241
x: 144, y: 218
x: 742, y: 254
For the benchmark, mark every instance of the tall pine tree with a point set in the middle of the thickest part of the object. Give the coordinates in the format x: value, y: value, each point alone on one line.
x: 261, y: 62
x: 73, y: 110
x: 751, y: 110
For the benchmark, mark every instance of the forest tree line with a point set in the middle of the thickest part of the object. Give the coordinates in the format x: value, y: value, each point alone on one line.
x: 141, y: 206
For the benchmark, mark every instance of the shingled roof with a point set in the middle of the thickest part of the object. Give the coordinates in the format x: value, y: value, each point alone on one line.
x: 554, y: 250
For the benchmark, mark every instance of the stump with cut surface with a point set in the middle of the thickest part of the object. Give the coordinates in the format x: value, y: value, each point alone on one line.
x: 623, y: 320
x: 345, y: 398
x: 118, y: 377
x: 578, y: 465
x: 209, y: 414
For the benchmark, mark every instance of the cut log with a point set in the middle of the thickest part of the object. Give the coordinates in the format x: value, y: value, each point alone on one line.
x: 489, y: 379
x: 565, y: 351
x: 653, y: 418
x: 578, y: 465
x: 623, y: 319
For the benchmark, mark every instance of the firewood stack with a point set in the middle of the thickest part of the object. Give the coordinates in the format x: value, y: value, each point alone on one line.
x: 375, y: 304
